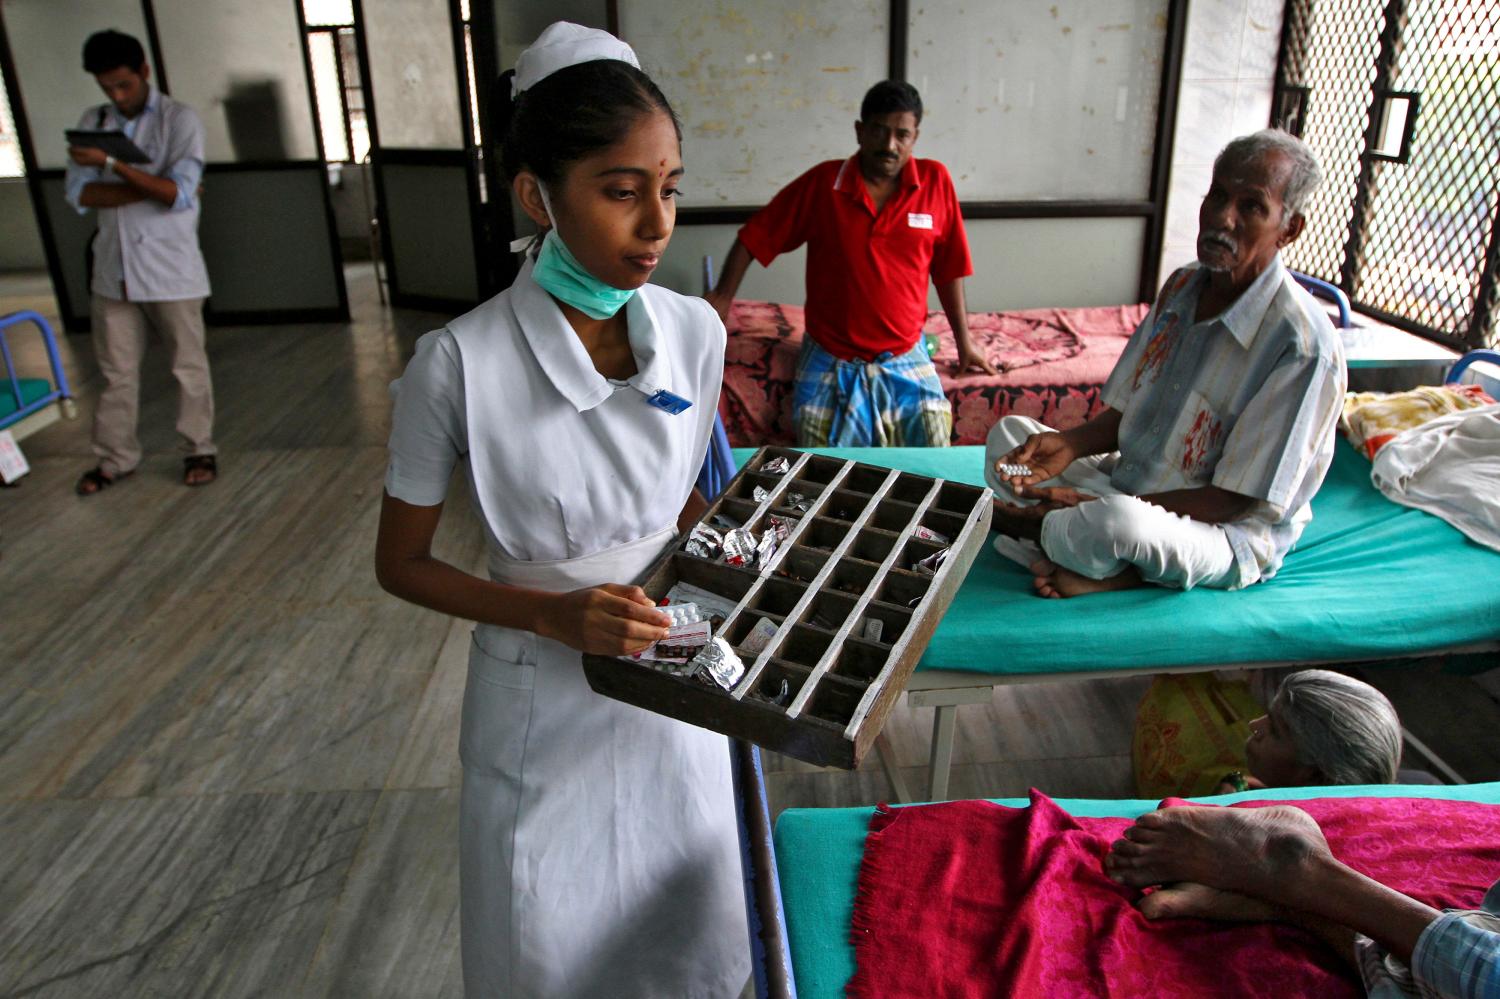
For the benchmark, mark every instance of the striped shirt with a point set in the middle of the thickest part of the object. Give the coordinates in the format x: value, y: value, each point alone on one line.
x: 1246, y: 400
x: 1456, y: 957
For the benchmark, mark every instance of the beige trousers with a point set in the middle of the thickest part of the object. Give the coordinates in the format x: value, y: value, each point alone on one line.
x: 119, y: 333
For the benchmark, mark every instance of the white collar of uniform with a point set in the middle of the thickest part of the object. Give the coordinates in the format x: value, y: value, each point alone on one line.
x: 565, y: 361
x: 1244, y: 317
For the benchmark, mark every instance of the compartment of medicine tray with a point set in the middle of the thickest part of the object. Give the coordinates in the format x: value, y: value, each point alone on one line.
x: 861, y: 661
x: 873, y: 545
x: 728, y: 581
x: 777, y: 597
x: 901, y: 588
x: 802, y: 564
x: 852, y: 576
x: 804, y: 645
x: 767, y: 689
x: 829, y: 610
x: 807, y: 490
x: 892, y: 515
x: 910, y: 488
x: 835, y: 699
x: 864, y: 479
x: 823, y: 535
x: 949, y: 525
x: 738, y: 510
x: 744, y: 488
x: 820, y: 469
x: 744, y: 624
x: 767, y: 454
x: 845, y: 506
x: 915, y: 551
x: 893, y: 621
x: 958, y: 497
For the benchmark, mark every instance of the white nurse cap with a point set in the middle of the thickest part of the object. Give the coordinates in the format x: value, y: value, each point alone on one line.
x: 565, y: 44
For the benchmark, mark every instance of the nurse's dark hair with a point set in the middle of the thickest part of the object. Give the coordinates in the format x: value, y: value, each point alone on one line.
x: 891, y: 97
x: 572, y: 113
x: 107, y: 50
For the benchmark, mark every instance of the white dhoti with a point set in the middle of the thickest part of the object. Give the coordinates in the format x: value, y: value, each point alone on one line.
x: 1104, y: 537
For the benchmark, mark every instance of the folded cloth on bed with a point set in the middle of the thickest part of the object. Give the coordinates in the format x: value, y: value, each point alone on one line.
x: 971, y: 899
x: 1449, y: 467
x: 1374, y: 419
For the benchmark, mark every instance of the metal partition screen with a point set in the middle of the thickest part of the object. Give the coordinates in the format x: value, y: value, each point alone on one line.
x: 1403, y: 109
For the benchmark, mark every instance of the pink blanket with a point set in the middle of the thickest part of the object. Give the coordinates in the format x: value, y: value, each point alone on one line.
x: 970, y: 899
x: 1052, y: 364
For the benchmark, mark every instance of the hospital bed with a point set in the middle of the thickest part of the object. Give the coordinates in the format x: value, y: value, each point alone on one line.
x: 29, y: 404
x: 1369, y: 580
x: 801, y: 898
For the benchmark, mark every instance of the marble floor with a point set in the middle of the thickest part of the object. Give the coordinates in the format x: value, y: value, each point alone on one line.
x: 228, y: 760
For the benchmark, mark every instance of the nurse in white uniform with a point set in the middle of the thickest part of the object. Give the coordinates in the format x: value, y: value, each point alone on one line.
x: 598, y: 854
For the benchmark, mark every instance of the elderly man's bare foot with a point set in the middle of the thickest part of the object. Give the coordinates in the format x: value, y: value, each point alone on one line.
x: 1052, y: 580
x: 1260, y: 852
x: 1188, y: 898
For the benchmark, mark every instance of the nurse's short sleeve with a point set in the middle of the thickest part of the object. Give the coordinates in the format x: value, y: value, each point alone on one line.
x: 429, y: 432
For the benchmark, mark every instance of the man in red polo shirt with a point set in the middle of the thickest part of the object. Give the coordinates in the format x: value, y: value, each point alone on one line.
x: 877, y: 226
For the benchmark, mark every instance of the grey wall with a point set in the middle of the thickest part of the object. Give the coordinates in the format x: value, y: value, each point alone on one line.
x: 1018, y: 263
x: 240, y: 66
x: 1228, y: 76
x: 20, y: 241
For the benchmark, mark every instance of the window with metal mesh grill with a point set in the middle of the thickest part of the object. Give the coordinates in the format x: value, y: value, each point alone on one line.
x: 1402, y: 106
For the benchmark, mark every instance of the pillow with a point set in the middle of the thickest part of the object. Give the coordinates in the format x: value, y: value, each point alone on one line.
x: 1372, y: 419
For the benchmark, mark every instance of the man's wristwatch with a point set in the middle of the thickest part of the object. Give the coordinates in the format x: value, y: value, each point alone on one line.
x: 109, y: 163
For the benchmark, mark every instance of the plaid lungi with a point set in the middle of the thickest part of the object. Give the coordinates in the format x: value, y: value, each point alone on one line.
x: 892, y: 401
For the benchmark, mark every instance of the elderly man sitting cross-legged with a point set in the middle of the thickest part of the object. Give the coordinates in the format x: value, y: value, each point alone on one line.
x: 1220, y: 419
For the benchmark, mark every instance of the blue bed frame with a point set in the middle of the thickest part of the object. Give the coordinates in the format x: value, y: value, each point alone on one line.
x: 60, y: 394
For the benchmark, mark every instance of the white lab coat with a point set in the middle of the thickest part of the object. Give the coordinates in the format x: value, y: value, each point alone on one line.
x: 598, y: 851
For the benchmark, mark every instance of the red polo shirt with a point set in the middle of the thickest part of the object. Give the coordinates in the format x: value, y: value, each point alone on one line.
x: 866, y: 272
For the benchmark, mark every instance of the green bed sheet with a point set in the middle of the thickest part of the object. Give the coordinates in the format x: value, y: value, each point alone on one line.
x: 32, y: 389
x: 818, y: 851
x: 1369, y: 579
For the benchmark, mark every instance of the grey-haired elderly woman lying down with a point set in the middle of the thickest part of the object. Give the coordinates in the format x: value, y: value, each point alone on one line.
x: 1322, y: 728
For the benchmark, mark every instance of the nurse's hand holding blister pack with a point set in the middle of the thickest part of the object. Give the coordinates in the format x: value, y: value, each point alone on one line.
x: 581, y: 402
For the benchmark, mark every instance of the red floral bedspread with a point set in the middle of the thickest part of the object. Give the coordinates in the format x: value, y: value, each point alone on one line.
x: 1053, y: 364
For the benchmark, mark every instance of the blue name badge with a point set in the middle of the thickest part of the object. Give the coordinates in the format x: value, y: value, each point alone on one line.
x: 667, y: 402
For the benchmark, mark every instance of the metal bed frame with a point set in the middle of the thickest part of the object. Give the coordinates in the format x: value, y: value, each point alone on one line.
x: 29, y: 417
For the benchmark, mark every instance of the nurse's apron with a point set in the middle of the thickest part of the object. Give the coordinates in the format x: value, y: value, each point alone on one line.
x: 598, y: 851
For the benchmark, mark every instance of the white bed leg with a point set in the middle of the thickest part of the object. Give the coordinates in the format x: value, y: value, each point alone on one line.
x: 892, y: 769
x: 944, y: 721
x: 945, y: 701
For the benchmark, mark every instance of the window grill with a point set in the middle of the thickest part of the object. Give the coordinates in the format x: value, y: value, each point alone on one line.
x: 1412, y: 240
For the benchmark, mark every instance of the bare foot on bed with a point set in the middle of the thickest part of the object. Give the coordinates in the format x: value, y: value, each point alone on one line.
x: 1260, y: 852
x: 1188, y: 898
x: 1052, y: 580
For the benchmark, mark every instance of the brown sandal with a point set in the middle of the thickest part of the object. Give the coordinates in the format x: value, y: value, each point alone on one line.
x: 199, y: 463
x: 95, y: 481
